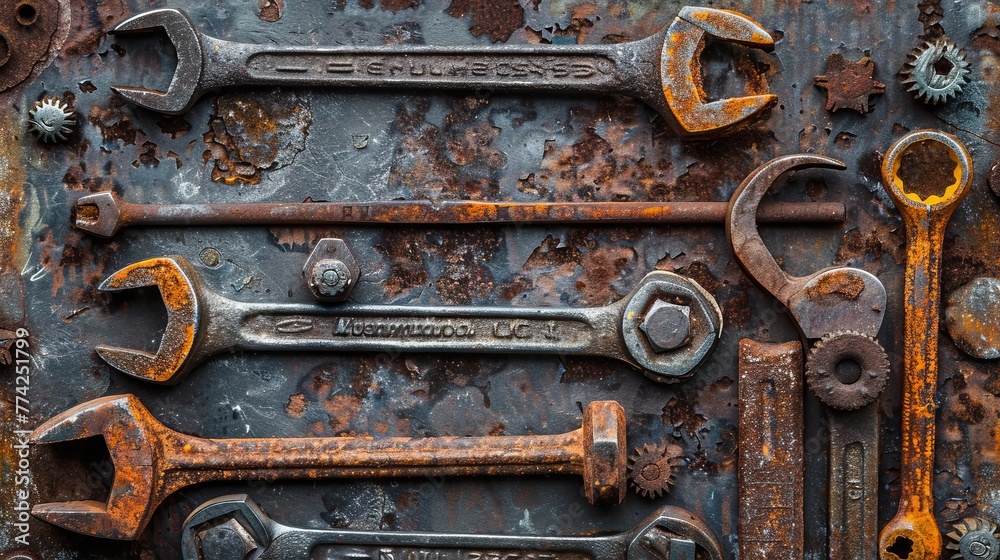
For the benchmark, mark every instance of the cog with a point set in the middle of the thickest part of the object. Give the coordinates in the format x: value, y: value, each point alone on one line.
x: 974, y: 538
x: 831, y: 350
x: 936, y: 71
x: 51, y: 119
x: 653, y: 470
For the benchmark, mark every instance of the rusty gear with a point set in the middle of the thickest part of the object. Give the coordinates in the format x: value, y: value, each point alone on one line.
x: 832, y: 349
x: 653, y: 470
x: 974, y: 538
x: 936, y: 71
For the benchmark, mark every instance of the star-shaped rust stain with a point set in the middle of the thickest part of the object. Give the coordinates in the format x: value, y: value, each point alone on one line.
x: 849, y: 85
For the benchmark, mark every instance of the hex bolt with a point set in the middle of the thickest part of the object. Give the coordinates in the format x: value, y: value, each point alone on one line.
x: 667, y: 326
x: 227, y: 541
x: 330, y: 278
x: 331, y: 271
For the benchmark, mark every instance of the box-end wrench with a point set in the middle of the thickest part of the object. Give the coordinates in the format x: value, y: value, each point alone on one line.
x: 838, y: 311
x: 234, y: 527
x: 201, y: 322
x: 663, y: 70
x: 927, y: 173
x: 102, y: 214
x: 152, y: 461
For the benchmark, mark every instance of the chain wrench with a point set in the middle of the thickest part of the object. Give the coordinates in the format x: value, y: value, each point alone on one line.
x: 926, y: 173
x: 663, y: 70
x: 102, y: 214
x: 841, y: 310
x: 201, y: 322
x: 234, y: 527
x: 152, y: 461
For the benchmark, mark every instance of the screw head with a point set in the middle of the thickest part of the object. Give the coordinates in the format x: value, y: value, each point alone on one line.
x: 667, y: 326
x: 227, y: 541
x: 331, y: 277
x: 331, y: 271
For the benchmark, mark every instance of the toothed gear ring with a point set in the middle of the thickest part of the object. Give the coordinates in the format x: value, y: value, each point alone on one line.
x: 653, y: 470
x: 974, y: 538
x: 936, y: 71
x: 51, y: 119
x: 833, y: 349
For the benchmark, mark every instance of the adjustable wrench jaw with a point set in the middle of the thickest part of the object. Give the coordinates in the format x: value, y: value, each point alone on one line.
x: 180, y: 288
x: 654, y: 537
x: 683, y: 100
x: 185, y: 87
x: 831, y: 300
x: 128, y: 429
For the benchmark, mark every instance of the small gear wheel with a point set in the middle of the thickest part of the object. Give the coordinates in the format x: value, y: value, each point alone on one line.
x: 936, y: 71
x: 833, y: 349
x: 653, y: 470
x: 51, y: 119
x: 974, y: 538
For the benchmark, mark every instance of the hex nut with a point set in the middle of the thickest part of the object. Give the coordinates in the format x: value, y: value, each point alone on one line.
x: 331, y: 271
x: 226, y: 541
x: 667, y: 326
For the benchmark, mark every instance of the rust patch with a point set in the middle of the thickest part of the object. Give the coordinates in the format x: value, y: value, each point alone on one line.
x: 114, y: 123
x: 398, y: 5
x: 845, y: 285
x: 296, y: 406
x: 174, y: 126
x: 271, y: 10
x: 90, y: 22
x: 255, y: 132
x: 497, y: 18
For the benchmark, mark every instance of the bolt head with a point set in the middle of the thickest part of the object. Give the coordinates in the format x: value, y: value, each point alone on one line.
x: 667, y: 326
x: 227, y: 541
x: 331, y: 271
x: 330, y: 277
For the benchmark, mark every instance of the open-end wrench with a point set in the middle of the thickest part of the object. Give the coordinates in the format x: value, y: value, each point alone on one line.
x: 663, y: 70
x: 201, y: 322
x: 838, y: 310
x: 927, y: 173
x: 152, y: 461
x: 102, y: 214
x: 226, y: 527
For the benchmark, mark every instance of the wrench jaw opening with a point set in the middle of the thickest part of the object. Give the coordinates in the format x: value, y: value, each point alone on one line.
x: 911, y: 536
x: 183, y: 90
x: 648, y: 541
x: 125, y: 426
x: 675, y: 364
x: 98, y: 214
x: 177, y: 282
x: 261, y: 528
x: 683, y: 101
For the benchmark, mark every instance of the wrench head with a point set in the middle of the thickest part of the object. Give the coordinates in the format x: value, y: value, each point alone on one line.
x: 97, y: 214
x: 927, y: 173
x: 667, y: 528
x: 680, y: 71
x: 605, y: 453
x: 239, y: 507
x: 184, y: 88
x: 177, y: 282
x: 704, y: 332
x: 129, y: 431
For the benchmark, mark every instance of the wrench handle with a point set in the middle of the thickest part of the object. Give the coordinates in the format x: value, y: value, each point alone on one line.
x: 578, y: 68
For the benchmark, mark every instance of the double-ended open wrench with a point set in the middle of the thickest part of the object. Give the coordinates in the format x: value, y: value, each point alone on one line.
x: 202, y: 322
x: 663, y: 70
x: 227, y: 526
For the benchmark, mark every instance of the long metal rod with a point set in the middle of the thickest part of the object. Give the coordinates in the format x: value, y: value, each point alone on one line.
x: 103, y: 214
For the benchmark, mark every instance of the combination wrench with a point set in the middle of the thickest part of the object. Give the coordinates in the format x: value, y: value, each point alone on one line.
x: 152, y: 461
x: 234, y: 527
x: 103, y: 214
x: 927, y: 174
x: 663, y: 70
x: 201, y: 322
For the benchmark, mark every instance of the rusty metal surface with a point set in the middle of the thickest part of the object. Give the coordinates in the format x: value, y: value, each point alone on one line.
x: 290, y: 145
